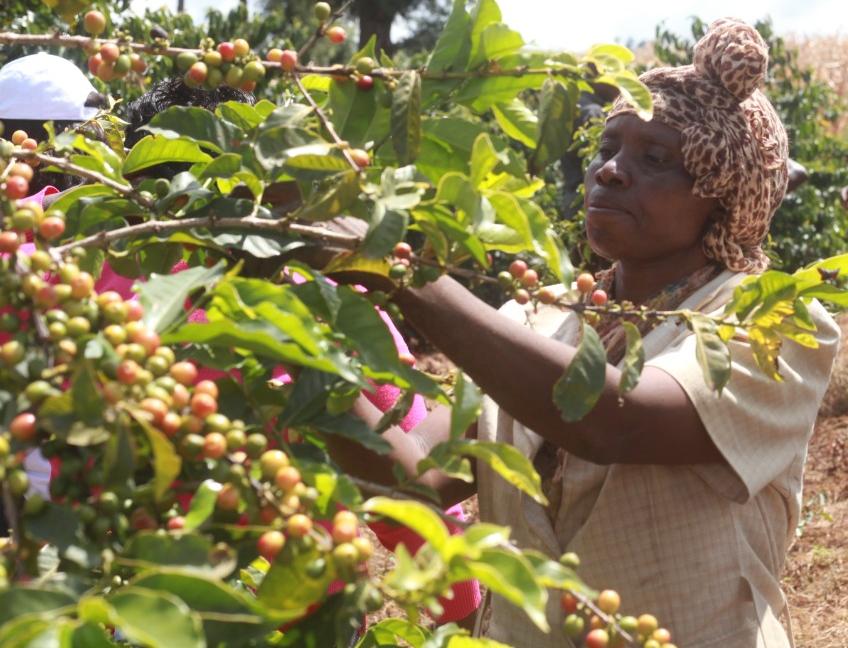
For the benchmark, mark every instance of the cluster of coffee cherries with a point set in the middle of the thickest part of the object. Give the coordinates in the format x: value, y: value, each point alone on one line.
x: 113, y: 59
x: 230, y: 63
x: 522, y: 283
x: 583, y: 624
x: 18, y: 175
x: 288, y: 509
x: 29, y: 220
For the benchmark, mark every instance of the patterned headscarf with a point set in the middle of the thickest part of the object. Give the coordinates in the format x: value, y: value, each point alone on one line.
x: 733, y: 143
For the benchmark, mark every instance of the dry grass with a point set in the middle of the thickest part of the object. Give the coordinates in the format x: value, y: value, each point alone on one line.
x: 828, y: 57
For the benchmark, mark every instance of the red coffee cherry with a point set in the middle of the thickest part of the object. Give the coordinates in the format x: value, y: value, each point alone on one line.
x: 585, y: 282
x: 336, y: 34
x: 270, y: 544
x: 23, y: 427
x: 517, y: 268
x: 599, y: 297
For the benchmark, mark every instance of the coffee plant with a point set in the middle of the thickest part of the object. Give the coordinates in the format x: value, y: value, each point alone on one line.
x: 194, y: 501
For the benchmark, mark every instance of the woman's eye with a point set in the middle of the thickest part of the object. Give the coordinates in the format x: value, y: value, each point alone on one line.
x: 655, y: 159
x: 605, y: 152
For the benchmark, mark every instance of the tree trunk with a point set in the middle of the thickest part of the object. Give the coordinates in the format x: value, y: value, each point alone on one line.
x: 180, y: 6
x: 374, y: 21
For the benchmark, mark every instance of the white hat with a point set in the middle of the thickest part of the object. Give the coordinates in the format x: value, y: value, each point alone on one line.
x: 43, y: 87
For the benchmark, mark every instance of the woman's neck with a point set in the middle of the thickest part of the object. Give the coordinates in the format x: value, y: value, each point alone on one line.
x: 639, y: 280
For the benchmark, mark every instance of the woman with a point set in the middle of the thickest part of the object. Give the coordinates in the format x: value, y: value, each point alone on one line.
x: 683, y: 500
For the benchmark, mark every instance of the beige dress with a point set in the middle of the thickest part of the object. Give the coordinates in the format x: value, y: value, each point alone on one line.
x: 699, y: 546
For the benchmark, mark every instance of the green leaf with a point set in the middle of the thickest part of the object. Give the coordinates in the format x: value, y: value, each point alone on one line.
x: 164, y: 296
x: 634, y: 359
x: 484, y: 159
x: 156, y: 619
x: 202, y: 504
x: 119, y: 458
x: 506, y: 460
x: 196, y: 124
x: 471, y: 642
x: 72, y: 196
x: 239, y: 114
x: 712, y: 353
x: 481, y: 93
x: 188, y: 551
x: 166, y: 462
x: 518, y: 121
x: 406, y: 117
x: 386, y: 229
x: 415, y: 515
x: 229, y: 617
x: 576, y: 393
x: 485, y: 14
x: 557, y: 110
x: 88, y: 402
x: 467, y: 401
x: 151, y: 150
x: 496, y: 41
x: 328, y: 203
x: 507, y: 573
x: 352, y: 428
x: 317, y: 162
x: 289, y: 586
x: 632, y: 90
x: 765, y: 345
x: 454, y: 45
x: 388, y: 631
x: 223, y: 166
x: 23, y: 599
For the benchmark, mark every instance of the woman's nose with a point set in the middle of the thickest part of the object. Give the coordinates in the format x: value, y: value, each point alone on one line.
x: 611, y: 172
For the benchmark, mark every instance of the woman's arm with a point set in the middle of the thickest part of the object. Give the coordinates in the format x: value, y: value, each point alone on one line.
x: 408, y: 448
x: 656, y: 423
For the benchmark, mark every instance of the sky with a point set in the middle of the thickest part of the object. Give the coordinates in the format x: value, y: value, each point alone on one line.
x: 576, y: 25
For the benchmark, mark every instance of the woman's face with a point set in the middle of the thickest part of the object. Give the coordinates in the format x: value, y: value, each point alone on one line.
x: 639, y: 202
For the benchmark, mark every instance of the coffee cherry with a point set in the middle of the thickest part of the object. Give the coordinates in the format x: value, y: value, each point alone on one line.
x: 18, y: 482
x: 322, y: 11
x: 585, y: 282
x: 629, y: 624
x: 51, y: 228
x: 122, y: 66
x: 18, y: 137
x: 23, y: 427
x: 215, y: 445
x: 599, y: 297
x: 109, y: 52
x: 547, y: 296
x: 34, y: 505
x: 184, y: 372
x: 106, y: 71
x: 298, y: 525
x: 597, y: 638
x: 402, y: 250
x: 360, y: 158
x: 271, y: 461
x: 363, y: 547
x: 9, y: 242
x: 521, y: 296
x: 176, y: 523
x: 127, y: 372
x: 82, y: 285
x: 568, y: 602
x: 254, y: 71
x: 137, y: 63
x: 574, y: 625
x: 344, y: 531
x: 197, y: 73
x: 530, y: 278
x: 233, y: 76
x: 94, y: 23
x: 287, y: 478
x: 228, y: 498
x: 202, y: 405
x: 662, y: 635
x: 236, y: 439
x: 108, y: 503
x: 345, y: 555
x: 288, y: 60
x: 206, y: 387
x: 365, y: 65
x: 365, y: 82
x: 336, y: 34
x: 171, y: 424
x: 157, y: 409
x: 24, y: 171
x: 255, y: 447
x: 94, y: 63
x: 213, y: 58
x: 241, y: 47
x: 517, y: 268
x: 185, y: 60
x: 217, y: 423
x: 398, y: 271
x: 142, y: 520
x: 609, y: 601
x: 647, y: 624
x: 270, y: 544
x: 227, y: 51
x: 275, y: 54
x: 17, y: 187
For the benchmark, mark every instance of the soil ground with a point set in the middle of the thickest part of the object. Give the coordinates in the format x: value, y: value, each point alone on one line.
x: 815, y: 578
